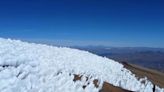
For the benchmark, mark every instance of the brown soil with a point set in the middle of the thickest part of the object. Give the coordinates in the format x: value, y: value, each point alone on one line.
x: 154, y: 76
x: 110, y: 88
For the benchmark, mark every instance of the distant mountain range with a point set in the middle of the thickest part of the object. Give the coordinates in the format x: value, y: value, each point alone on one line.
x: 144, y: 56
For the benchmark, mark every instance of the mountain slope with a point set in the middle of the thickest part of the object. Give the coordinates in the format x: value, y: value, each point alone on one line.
x: 154, y: 76
x: 30, y: 67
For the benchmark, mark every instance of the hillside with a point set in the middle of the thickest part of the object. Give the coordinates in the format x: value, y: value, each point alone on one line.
x: 154, y: 76
x: 30, y: 67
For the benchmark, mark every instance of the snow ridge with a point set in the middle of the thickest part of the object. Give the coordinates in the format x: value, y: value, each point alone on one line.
x: 30, y: 67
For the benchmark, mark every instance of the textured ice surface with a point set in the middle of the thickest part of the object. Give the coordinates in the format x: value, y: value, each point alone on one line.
x: 29, y: 67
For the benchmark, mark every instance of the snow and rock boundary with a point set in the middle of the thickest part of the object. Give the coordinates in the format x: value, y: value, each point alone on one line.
x: 30, y: 67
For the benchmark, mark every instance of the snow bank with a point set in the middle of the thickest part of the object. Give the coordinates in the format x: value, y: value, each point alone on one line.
x: 30, y: 67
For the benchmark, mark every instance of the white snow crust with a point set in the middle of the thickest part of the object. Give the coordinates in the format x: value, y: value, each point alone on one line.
x: 30, y: 67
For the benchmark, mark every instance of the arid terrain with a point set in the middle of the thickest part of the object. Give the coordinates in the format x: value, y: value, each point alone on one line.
x: 154, y: 76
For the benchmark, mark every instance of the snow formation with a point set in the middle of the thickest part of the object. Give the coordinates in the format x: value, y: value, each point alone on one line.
x: 30, y: 67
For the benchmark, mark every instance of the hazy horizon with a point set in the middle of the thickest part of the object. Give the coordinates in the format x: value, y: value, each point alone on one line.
x: 120, y: 23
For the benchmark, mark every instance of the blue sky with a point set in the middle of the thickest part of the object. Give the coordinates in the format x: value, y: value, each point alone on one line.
x: 120, y: 23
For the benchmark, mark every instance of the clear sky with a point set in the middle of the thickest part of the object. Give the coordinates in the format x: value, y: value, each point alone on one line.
x: 84, y: 22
